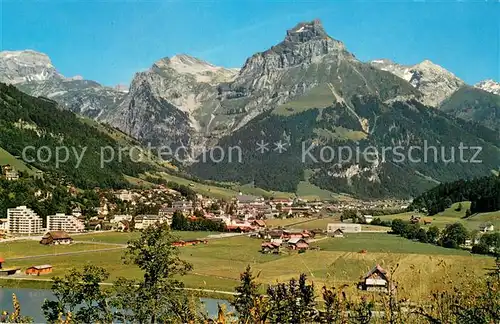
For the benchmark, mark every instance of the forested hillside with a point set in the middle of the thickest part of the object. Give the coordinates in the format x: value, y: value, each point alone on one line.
x: 366, y: 123
x: 484, y: 194
x: 27, y: 121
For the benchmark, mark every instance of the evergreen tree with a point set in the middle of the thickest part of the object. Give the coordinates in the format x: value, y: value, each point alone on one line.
x: 247, y: 296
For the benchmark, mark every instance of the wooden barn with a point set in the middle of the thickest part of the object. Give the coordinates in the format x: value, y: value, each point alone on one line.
x: 56, y: 238
x: 375, y: 280
x: 39, y: 269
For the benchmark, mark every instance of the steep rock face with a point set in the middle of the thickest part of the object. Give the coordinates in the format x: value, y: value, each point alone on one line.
x: 171, y: 103
x: 435, y: 82
x: 33, y: 73
x: 490, y: 86
x: 25, y: 66
x: 307, y: 63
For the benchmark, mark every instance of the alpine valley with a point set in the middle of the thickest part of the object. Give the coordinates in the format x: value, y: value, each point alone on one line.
x: 308, y: 94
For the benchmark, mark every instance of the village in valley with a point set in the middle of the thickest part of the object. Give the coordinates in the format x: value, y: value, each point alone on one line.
x: 331, y: 240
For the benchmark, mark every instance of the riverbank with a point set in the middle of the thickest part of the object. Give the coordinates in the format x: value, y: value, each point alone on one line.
x: 31, y: 301
x: 46, y: 284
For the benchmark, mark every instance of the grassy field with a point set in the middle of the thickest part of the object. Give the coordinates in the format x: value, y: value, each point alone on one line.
x: 318, y: 97
x: 383, y: 243
x: 17, y: 249
x: 18, y: 164
x: 451, y: 215
x: 123, y: 238
x: 218, y: 264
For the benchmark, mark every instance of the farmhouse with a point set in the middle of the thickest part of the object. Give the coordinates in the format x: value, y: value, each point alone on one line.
x: 56, y: 238
x: 487, y: 227
x: 298, y: 243
x: 270, y: 247
x: 258, y: 223
x: 375, y: 280
x: 345, y: 227
x: 338, y: 233
x: 39, y: 269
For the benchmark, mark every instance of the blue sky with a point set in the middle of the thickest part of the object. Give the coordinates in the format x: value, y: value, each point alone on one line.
x: 108, y: 41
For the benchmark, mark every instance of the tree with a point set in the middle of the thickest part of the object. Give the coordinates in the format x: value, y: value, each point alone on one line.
x: 158, y: 297
x: 432, y: 234
x: 422, y: 236
x: 247, y: 296
x: 468, y: 213
x: 349, y: 214
x: 79, y: 294
x: 292, y: 302
x: 459, y: 207
x: 398, y: 226
x: 454, y: 235
x: 179, y: 222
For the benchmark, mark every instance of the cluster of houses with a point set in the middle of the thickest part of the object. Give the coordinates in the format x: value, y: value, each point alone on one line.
x: 277, y: 240
x: 367, y: 205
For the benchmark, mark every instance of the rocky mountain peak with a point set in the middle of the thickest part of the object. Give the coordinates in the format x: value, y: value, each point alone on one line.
x: 26, y: 65
x: 489, y: 85
x: 202, y: 71
x: 306, y: 31
x: 434, y: 81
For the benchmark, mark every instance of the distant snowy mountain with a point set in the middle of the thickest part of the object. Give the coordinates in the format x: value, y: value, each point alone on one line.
x: 34, y: 73
x: 435, y: 82
x: 489, y: 86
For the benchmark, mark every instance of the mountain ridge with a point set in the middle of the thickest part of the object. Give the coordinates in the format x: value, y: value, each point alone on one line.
x: 185, y: 102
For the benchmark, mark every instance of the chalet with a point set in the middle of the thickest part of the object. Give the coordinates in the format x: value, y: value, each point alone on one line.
x: 270, y: 247
x: 368, y: 218
x: 414, y: 219
x: 240, y: 228
x: 487, y: 227
x: 258, y: 223
x: 39, y: 269
x: 338, y: 233
x: 297, y: 243
x: 375, y: 280
x: 56, y: 238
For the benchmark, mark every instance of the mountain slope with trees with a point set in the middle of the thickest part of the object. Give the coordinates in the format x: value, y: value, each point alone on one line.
x: 484, y: 194
x: 26, y: 121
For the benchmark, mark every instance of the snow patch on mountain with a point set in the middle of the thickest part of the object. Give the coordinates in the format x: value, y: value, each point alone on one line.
x: 489, y: 85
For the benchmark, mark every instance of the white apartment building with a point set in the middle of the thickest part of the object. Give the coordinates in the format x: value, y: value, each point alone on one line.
x: 23, y: 220
x: 67, y: 223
